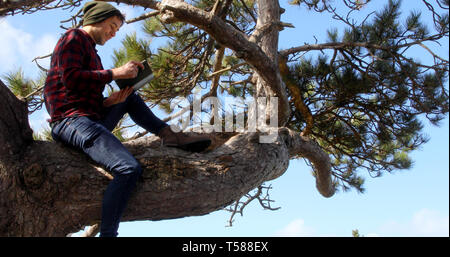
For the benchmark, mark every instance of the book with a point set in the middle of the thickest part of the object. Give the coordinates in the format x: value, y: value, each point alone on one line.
x: 143, y: 77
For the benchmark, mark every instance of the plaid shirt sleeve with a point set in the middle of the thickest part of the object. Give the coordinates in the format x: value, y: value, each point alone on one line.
x: 76, y: 78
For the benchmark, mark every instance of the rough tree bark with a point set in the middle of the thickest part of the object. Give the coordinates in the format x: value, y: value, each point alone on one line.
x: 47, y: 189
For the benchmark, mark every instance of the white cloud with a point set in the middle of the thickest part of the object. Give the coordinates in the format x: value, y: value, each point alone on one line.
x: 18, y: 48
x: 296, y: 228
x: 11, y: 41
x: 424, y: 222
x: 430, y: 222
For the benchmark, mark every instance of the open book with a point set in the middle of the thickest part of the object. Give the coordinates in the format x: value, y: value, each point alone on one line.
x: 144, y: 76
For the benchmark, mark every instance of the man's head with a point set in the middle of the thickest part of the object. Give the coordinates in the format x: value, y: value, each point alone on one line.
x: 101, y: 20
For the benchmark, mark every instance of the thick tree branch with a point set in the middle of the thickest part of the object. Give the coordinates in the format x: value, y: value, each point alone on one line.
x: 15, y: 133
x: 300, y: 146
x: 64, y: 188
x: 269, y: 13
x: 56, y: 190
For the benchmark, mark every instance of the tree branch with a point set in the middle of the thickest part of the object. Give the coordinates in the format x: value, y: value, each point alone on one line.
x: 300, y: 146
x: 11, y: 7
x: 343, y: 45
x: 239, y: 205
x: 143, y: 17
x: 297, y: 96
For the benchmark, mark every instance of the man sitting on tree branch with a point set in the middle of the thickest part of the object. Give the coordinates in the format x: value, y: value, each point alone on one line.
x: 82, y: 118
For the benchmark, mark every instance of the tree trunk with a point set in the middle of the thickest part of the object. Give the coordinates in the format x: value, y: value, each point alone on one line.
x: 47, y: 189
x: 266, y: 36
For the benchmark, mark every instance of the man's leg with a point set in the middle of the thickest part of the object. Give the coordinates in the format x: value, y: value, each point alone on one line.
x: 104, y: 148
x: 139, y: 112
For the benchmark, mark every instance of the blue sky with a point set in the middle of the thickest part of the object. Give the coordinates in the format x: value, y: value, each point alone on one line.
x: 404, y: 203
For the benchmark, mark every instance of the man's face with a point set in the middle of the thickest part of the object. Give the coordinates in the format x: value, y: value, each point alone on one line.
x: 107, y: 29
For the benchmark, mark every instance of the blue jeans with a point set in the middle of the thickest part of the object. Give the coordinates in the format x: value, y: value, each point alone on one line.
x: 94, y: 137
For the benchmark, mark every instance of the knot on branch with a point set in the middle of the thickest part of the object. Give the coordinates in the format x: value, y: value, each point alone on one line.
x: 166, y: 8
x: 167, y: 16
x: 267, y: 28
x: 33, y: 176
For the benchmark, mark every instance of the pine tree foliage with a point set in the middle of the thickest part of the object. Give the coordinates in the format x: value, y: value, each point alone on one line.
x: 25, y: 88
x: 366, y: 98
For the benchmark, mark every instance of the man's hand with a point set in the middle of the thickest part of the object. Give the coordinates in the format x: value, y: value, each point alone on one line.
x: 127, y: 71
x: 118, y: 97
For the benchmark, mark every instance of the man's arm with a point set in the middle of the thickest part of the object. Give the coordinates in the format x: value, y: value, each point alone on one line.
x: 117, y: 97
x: 71, y: 57
x: 127, y: 71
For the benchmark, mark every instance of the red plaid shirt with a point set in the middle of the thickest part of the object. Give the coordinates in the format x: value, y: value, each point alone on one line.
x: 76, y: 78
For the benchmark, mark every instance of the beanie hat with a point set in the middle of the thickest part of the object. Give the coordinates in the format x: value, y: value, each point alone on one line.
x: 96, y: 11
